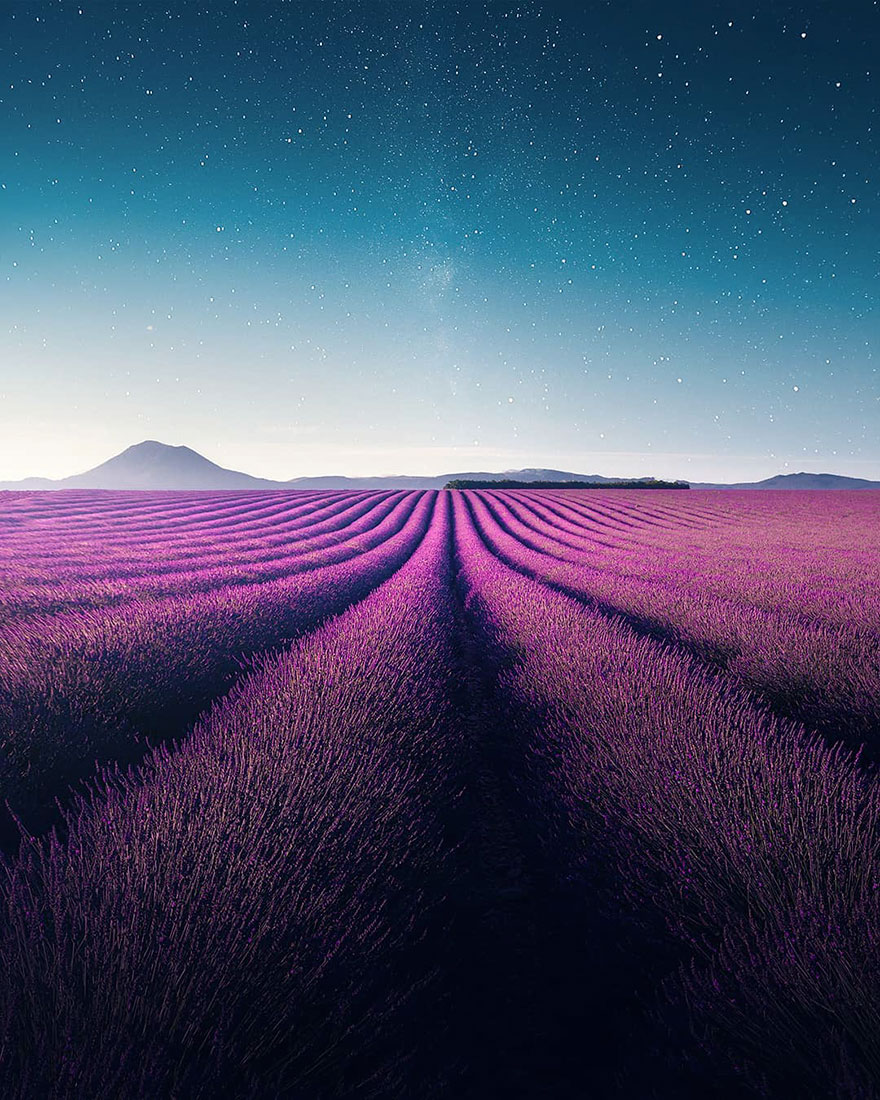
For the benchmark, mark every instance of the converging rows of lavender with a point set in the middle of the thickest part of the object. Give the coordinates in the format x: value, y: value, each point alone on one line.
x: 468, y: 793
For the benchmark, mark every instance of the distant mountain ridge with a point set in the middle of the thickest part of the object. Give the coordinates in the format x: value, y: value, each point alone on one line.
x: 157, y: 466
x: 800, y: 480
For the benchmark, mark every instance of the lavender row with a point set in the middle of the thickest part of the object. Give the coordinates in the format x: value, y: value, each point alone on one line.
x: 133, y: 530
x: 76, y: 507
x: 632, y: 515
x: 93, y: 684
x: 149, y: 516
x: 824, y: 675
x: 331, y: 540
x: 814, y: 556
x: 247, y: 916
x: 754, y: 845
x: 42, y: 555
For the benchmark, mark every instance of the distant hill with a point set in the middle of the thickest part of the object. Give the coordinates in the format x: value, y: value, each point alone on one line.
x: 157, y: 466
x: 151, y: 465
x: 407, y: 481
x: 798, y: 481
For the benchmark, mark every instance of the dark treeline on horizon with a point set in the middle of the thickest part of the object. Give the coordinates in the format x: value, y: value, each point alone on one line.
x: 637, y: 483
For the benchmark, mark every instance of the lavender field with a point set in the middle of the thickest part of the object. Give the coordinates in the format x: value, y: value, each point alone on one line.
x: 446, y: 793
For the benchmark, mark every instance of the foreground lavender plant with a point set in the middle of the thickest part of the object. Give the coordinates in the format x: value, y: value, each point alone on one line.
x: 87, y: 684
x: 242, y: 916
x: 757, y: 846
x: 821, y: 672
x: 550, y: 786
x: 52, y: 567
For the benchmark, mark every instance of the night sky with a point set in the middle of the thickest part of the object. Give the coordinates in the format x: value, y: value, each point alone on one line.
x: 387, y: 237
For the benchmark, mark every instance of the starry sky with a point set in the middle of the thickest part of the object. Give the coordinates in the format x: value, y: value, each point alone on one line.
x: 328, y: 237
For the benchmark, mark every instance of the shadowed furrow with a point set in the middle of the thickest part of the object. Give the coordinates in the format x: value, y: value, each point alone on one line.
x: 265, y: 551
x: 816, y: 560
x: 297, y: 555
x: 825, y: 676
x: 516, y: 823
x: 751, y: 847
x: 89, y: 685
x: 286, y: 862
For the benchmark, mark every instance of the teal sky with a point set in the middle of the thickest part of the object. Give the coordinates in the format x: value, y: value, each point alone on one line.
x: 401, y: 237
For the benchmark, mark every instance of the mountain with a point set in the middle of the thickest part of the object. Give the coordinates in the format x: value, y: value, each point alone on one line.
x: 157, y: 466
x: 152, y: 465
x: 404, y: 481
x: 798, y: 481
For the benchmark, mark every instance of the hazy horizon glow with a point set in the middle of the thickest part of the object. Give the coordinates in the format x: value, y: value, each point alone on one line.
x: 315, y: 238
